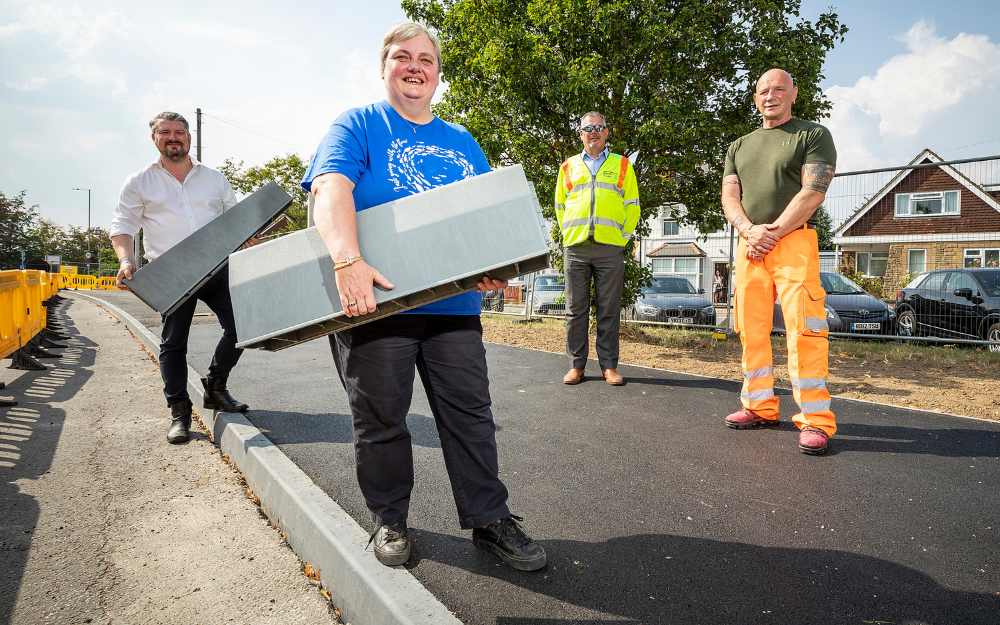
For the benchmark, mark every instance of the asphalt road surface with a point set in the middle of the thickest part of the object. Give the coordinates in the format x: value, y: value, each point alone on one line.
x: 652, y: 511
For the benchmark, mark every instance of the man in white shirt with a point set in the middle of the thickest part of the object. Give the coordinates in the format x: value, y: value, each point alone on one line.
x: 170, y: 199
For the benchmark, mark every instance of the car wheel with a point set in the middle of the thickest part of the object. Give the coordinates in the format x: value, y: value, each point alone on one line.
x: 993, y: 334
x: 906, y: 323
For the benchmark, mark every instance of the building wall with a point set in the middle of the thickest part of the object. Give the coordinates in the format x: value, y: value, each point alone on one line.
x: 940, y: 255
x: 975, y: 214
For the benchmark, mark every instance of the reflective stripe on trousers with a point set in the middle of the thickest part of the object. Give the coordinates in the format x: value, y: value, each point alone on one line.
x: 783, y: 274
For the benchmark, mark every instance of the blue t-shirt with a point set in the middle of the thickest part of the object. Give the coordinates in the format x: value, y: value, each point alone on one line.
x: 387, y: 158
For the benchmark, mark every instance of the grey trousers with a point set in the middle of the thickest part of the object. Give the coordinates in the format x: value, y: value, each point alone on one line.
x: 605, y: 265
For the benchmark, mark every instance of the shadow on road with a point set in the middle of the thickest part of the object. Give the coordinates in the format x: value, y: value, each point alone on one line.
x: 674, y: 579
x: 29, y: 434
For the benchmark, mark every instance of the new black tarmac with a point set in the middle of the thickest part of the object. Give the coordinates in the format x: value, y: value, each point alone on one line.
x: 652, y: 511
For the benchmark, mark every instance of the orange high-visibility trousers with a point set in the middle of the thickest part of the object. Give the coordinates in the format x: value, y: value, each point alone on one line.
x: 789, y: 272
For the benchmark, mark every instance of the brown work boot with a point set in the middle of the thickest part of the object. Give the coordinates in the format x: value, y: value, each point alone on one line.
x: 613, y: 377
x: 575, y: 376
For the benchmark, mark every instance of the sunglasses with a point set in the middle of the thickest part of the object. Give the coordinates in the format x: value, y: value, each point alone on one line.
x: 598, y: 128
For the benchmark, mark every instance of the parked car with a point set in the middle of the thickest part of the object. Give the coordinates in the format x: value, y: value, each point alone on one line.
x: 671, y: 299
x: 549, y: 297
x: 958, y: 303
x: 493, y: 300
x: 848, y: 308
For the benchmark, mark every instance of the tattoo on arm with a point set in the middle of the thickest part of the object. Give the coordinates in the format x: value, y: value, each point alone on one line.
x: 817, y: 177
x: 738, y: 222
x: 735, y: 182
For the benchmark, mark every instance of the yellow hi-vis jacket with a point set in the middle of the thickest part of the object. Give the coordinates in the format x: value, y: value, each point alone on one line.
x: 605, y: 206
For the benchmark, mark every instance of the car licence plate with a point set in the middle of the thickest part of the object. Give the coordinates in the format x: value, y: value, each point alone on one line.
x: 865, y: 326
x: 680, y: 319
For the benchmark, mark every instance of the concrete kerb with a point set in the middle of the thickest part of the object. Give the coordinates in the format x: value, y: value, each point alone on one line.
x: 317, y: 529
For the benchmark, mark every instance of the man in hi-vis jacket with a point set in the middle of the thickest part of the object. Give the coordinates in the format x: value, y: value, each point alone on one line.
x: 597, y: 205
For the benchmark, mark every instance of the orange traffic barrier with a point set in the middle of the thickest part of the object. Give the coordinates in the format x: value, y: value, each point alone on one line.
x: 11, y: 311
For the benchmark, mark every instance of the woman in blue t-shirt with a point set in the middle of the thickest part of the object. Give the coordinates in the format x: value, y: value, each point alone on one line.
x: 370, y: 156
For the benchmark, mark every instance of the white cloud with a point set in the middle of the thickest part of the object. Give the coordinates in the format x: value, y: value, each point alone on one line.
x: 883, y: 118
x: 32, y: 84
x: 69, y: 29
x: 233, y: 35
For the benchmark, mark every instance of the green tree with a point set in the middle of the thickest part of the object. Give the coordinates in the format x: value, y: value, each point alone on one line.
x: 286, y: 170
x: 824, y: 228
x: 674, y: 78
x: 16, y: 220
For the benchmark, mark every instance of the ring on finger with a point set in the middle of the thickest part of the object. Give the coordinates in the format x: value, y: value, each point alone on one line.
x: 352, y: 304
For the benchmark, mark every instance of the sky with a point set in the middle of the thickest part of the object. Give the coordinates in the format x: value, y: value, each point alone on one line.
x: 79, y: 82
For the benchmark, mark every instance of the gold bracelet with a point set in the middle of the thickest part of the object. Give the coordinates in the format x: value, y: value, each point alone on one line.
x: 347, y: 262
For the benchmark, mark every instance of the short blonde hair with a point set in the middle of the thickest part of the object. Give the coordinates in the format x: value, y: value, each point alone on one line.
x: 408, y: 30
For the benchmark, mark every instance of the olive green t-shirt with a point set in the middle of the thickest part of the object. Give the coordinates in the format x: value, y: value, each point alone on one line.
x: 769, y: 163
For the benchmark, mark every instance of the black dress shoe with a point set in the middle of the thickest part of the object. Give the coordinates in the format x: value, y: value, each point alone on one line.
x: 218, y: 397
x: 392, y: 544
x: 506, y: 539
x: 180, y: 415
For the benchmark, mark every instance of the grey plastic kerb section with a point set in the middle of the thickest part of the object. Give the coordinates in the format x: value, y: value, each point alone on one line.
x: 431, y: 245
x: 170, y: 279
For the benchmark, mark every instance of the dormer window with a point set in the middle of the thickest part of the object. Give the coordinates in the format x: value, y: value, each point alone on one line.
x: 928, y: 204
x: 669, y: 227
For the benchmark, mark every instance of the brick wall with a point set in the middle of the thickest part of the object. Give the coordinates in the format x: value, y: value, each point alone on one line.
x: 976, y: 215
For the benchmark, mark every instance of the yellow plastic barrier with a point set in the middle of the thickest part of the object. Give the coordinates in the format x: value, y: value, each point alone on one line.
x: 62, y: 281
x: 33, y: 300
x: 11, y: 311
x: 82, y: 282
x: 107, y: 283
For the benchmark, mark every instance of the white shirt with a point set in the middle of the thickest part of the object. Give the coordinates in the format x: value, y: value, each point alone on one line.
x: 167, y: 210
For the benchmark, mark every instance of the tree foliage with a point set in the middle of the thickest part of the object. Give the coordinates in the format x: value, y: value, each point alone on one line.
x: 824, y: 228
x: 16, y: 219
x: 674, y: 78
x: 286, y: 170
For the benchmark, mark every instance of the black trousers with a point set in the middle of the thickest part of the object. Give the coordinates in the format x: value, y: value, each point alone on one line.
x: 177, y: 327
x: 376, y: 363
x: 605, y: 266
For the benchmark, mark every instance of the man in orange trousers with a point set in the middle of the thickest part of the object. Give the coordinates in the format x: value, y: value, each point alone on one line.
x: 775, y: 179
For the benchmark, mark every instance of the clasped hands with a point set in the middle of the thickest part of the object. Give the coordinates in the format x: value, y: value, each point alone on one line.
x: 761, y: 239
x: 357, y: 293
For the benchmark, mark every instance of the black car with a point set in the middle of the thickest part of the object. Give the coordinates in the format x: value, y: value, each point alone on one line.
x: 671, y: 299
x: 952, y: 303
x: 848, y: 309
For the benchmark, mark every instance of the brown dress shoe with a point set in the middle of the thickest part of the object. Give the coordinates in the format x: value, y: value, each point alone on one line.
x: 613, y: 378
x: 575, y: 376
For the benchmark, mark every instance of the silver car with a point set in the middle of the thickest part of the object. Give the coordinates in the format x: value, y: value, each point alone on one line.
x: 549, y: 297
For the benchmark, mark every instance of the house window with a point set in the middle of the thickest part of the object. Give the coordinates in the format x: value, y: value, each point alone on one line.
x: 872, y: 263
x: 669, y: 227
x: 916, y: 261
x: 682, y: 267
x: 982, y: 258
x: 931, y: 204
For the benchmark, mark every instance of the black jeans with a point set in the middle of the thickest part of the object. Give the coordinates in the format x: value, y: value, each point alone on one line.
x: 177, y: 327
x: 376, y: 362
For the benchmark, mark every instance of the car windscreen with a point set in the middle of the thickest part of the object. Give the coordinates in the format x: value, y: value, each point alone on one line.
x: 550, y: 283
x: 990, y: 281
x: 669, y: 285
x: 834, y: 283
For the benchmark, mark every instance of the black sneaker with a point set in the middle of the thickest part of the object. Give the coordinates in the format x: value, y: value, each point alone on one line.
x: 506, y: 539
x: 392, y: 544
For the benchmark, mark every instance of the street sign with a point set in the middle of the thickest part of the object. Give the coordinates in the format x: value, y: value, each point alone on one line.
x: 88, y: 256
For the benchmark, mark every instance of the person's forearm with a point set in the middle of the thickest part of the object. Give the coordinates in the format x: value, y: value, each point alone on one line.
x: 798, y: 211
x: 733, y: 209
x: 124, y: 246
x: 335, y: 215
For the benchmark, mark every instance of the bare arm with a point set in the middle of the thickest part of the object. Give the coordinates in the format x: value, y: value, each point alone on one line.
x: 759, y: 239
x: 816, y: 180
x: 124, y: 246
x: 337, y: 223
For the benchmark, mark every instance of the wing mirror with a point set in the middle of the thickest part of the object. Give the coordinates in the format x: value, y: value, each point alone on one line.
x: 965, y: 292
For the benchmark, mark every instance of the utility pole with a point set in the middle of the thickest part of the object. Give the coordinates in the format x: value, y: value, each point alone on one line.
x: 198, y: 131
x: 88, y: 223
